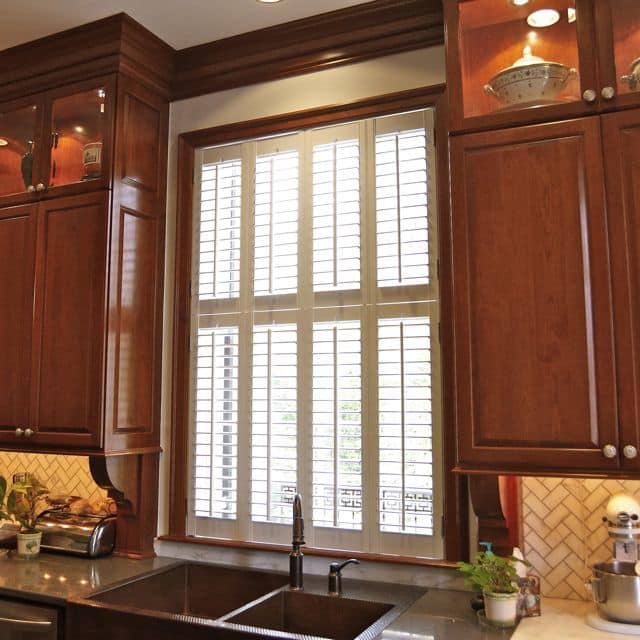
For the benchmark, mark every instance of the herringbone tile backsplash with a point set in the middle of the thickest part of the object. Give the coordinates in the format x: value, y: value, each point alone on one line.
x: 61, y: 474
x: 563, y: 532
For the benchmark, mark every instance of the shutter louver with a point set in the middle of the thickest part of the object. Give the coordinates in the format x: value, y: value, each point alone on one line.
x: 405, y: 426
x: 337, y: 437
x: 220, y: 203
x: 401, y: 206
x: 276, y: 224
x: 274, y: 423
x: 216, y: 411
x: 336, y: 216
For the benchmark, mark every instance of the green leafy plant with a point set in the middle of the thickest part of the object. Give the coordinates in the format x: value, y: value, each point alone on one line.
x: 491, y: 573
x: 23, y: 502
x: 3, y: 492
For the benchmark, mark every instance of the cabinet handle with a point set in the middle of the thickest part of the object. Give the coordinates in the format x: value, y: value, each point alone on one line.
x: 608, y: 93
x: 40, y: 187
x: 28, y: 432
x: 609, y: 451
x: 590, y: 95
x: 19, y: 432
x: 630, y: 452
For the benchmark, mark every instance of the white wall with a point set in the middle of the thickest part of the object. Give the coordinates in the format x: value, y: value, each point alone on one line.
x: 344, y: 84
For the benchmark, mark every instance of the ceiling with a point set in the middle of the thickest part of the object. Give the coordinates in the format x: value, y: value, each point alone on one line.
x: 180, y: 23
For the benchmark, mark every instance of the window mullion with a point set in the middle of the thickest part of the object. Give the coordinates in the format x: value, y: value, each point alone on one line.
x: 305, y: 334
x: 369, y: 338
x: 245, y: 345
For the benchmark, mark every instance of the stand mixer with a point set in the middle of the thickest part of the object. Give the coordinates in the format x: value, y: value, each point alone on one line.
x: 616, y: 585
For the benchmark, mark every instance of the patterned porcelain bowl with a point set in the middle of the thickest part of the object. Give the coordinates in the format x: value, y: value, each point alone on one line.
x: 633, y: 79
x: 529, y: 81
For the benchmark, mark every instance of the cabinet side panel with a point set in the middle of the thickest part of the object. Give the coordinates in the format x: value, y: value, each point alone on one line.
x: 17, y: 247
x: 136, y: 303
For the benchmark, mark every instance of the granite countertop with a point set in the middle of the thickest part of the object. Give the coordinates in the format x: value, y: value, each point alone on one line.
x: 438, y: 614
x: 56, y: 578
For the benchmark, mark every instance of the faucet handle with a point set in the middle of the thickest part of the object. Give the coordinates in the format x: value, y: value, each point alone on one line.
x: 335, y: 576
x: 337, y: 567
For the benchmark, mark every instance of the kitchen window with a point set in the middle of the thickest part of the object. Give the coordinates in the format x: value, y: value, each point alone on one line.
x: 315, y: 359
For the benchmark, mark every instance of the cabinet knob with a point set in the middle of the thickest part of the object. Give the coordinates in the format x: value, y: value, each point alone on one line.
x: 40, y: 187
x: 608, y: 93
x: 630, y: 452
x: 590, y: 95
x: 28, y: 432
x: 30, y: 189
x: 609, y: 451
x: 19, y: 432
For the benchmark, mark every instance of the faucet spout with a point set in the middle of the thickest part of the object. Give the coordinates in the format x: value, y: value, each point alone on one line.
x: 296, y: 556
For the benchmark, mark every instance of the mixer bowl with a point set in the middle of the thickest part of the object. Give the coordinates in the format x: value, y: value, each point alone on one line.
x: 616, y: 591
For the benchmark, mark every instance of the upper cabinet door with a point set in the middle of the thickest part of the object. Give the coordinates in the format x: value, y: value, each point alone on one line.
x: 534, y: 356
x: 518, y: 61
x: 618, y: 25
x: 621, y: 133
x: 17, y: 260
x: 20, y: 144
x: 81, y: 130
x: 70, y: 308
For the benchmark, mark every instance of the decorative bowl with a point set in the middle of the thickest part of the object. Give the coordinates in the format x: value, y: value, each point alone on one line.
x: 530, y: 80
x: 633, y: 79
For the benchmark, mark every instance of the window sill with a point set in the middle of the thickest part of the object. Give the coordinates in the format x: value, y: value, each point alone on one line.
x: 310, y: 551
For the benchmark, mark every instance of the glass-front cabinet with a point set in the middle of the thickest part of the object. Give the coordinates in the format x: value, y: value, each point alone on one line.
x: 518, y: 61
x: 55, y: 143
x: 19, y: 132
x: 618, y: 23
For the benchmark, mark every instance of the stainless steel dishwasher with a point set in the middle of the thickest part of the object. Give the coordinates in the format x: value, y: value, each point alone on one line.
x: 19, y: 621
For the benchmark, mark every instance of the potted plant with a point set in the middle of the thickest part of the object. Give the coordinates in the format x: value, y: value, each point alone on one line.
x: 24, y: 505
x: 496, y: 577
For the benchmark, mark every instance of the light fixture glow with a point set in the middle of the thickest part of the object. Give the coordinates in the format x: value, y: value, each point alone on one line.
x: 78, y: 129
x: 3, y: 142
x: 543, y: 18
x: 519, y: 3
x: 571, y: 15
x: 268, y: 1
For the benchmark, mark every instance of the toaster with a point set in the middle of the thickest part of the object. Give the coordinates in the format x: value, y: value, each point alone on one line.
x: 79, y: 535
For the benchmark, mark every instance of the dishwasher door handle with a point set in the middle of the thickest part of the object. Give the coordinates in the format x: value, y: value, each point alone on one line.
x: 27, y: 625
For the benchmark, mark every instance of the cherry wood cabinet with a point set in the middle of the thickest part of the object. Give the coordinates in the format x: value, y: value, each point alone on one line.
x: 621, y: 135
x: 57, y: 142
x: 495, y: 58
x: 82, y: 210
x: 535, y: 379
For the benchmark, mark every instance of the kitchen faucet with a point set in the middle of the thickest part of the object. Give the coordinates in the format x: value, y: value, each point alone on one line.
x: 295, y: 557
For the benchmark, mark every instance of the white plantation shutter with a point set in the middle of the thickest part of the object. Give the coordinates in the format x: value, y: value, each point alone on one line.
x: 316, y: 359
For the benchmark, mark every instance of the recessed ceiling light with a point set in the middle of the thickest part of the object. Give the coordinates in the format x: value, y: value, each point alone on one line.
x: 78, y: 129
x: 3, y: 142
x: 519, y: 3
x: 269, y: 1
x: 543, y: 18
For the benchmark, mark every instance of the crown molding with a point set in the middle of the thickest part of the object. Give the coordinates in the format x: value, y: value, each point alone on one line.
x: 349, y: 35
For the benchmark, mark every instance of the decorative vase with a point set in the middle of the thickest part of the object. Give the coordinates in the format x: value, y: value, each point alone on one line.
x: 29, y: 544
x: 501, y: 608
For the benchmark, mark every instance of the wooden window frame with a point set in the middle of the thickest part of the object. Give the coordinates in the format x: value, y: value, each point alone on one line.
x: 455, y: 507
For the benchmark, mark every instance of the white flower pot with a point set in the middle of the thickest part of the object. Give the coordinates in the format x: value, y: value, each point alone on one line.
x: 501, y: 608
x: 29, y: 544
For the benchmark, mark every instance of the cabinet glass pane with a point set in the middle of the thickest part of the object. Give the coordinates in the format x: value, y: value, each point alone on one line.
x: 626, y: 38
x: 514, y: 56
x: 78, y: 129
x: 17, y: 135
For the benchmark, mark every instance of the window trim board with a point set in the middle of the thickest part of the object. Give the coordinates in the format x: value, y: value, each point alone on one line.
x: 455, y: 492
